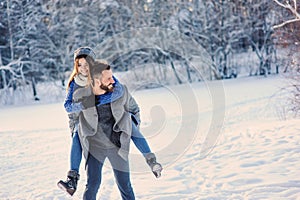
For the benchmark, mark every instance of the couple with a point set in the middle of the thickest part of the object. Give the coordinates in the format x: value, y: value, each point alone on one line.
x: 103, y: 118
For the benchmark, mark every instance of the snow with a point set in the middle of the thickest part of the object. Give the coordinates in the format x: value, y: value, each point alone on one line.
x: 215, y: 140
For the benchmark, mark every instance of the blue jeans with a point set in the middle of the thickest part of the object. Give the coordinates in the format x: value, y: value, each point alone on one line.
x: 94, y: 174
x: 76, y: 149
x: 76, y: 153
x: 139, y: 140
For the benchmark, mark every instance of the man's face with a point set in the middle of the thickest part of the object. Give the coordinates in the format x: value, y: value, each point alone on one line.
x: 106, y: 82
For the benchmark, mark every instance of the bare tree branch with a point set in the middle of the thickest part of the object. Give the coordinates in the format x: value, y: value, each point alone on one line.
x: 292, y: 8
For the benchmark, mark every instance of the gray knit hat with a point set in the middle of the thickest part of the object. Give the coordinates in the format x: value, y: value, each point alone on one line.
x: 84, y: 51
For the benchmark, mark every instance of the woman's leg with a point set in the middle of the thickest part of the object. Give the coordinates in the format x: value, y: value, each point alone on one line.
x: 76, y: 153
x: 70, y: 185
x: 139, y: 140
x: 142, y: 145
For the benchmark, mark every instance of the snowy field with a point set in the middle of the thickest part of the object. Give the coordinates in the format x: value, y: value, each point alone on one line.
x: 216, y: 141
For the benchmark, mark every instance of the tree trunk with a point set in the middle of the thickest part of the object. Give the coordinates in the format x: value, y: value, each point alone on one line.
x: 3, y: 76
x: 9, y: 30
x: 175, y: 72
x: 188, y: 71
x: 34, y: 89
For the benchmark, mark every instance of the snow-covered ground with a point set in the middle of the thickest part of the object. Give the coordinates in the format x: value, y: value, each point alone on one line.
x: 220, y: 140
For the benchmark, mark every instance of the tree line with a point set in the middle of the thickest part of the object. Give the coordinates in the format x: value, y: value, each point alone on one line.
x: 38, y: 37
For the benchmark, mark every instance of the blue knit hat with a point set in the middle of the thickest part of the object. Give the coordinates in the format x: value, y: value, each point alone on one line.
x: 84, y: 51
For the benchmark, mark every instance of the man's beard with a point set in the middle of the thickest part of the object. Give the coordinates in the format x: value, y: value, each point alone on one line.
x: 107, y: 88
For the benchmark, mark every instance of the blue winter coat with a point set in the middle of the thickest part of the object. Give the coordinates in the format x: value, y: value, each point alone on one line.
x: 72, y: 108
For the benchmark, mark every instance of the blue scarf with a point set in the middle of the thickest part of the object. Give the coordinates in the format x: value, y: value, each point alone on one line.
x: 109, y: 97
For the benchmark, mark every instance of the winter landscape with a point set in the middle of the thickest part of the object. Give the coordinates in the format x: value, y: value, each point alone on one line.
x: 217, y: 83
x: 216, y: 140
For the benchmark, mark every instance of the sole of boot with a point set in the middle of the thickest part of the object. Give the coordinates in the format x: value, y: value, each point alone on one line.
x: 62, y: 186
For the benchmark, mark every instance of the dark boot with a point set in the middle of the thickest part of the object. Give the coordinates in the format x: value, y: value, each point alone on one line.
x: 156, y: 168
x: 70, y: 185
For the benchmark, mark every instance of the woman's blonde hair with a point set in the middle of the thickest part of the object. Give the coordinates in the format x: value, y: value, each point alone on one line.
x: 74, y: 72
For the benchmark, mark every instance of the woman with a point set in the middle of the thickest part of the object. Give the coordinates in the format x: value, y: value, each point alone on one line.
x: 79, y: 79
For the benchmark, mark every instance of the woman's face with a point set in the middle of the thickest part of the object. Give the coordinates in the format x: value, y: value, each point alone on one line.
x: 83, y: 67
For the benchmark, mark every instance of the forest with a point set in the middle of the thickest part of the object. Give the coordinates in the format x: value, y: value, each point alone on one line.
x: 162, y: 42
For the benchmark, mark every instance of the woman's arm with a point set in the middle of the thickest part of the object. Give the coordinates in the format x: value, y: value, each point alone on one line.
x: 69, y: 105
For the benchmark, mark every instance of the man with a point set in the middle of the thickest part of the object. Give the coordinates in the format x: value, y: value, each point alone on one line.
x: 105, y: 130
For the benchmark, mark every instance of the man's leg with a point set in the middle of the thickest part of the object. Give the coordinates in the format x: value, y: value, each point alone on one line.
x: 124, y: 184
x: 122, y: 174
x: 94, y: 170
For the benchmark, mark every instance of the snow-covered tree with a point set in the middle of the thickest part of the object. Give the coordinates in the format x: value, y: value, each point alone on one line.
x: 22, y: 20
x: 290, y: 12
x: 214, y: 28
x: 38, y: 37
x: 62, y: 37
x: 287, y: 33
x: 258, y: 29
